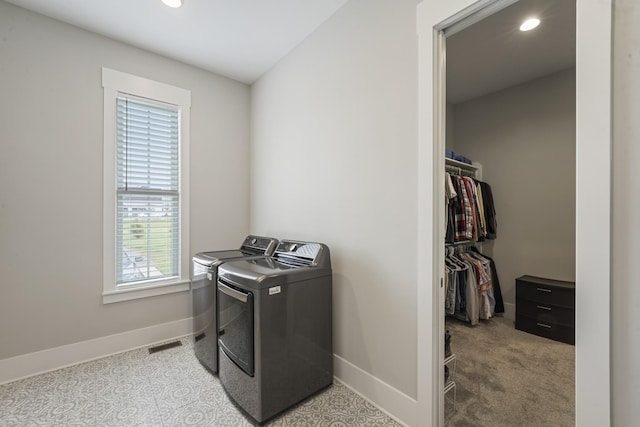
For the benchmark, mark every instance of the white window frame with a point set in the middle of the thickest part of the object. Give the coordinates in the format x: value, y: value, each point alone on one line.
x: 114, y: 83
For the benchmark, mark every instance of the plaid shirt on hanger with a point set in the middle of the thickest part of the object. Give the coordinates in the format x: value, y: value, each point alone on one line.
x: 460, y: 217
x: 468, y: 209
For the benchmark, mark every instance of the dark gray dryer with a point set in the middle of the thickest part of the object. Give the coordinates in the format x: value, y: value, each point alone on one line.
x: 275, y: 330
x: 203, y: 293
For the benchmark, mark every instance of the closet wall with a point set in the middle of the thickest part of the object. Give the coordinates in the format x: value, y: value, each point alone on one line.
x: 524, y: 137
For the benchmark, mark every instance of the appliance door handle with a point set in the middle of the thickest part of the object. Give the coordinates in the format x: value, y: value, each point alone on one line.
x: 240, y: 296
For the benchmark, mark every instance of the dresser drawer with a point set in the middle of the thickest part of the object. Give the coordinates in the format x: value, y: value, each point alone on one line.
x: 545, y: 291
x: 550, y: 330
x: 546, y: 313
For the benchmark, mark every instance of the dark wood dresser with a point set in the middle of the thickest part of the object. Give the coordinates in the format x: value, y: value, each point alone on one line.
x: 546, y: 307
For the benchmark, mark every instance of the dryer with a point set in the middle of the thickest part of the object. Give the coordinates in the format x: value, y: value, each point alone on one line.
x: 203, y: 293
x: 275, y: 328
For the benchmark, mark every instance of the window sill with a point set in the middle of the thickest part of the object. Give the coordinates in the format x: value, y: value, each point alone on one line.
x: 144, y: 292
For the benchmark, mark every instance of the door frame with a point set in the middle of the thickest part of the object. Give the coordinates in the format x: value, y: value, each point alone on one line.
x: 593, y: 203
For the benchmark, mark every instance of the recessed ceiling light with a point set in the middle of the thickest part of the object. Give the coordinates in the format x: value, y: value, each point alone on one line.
x: 172, y: 3
x: 529, y: 24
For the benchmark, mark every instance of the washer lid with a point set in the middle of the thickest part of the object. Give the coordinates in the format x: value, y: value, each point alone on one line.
x: 212, y: 257
x: 251, y: 247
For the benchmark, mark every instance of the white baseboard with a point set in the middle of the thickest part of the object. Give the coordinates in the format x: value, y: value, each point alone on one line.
x: 388, y: 399
x: 27, y: 365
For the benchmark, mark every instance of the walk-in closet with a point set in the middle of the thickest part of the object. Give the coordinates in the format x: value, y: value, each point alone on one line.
x: 510, y: 197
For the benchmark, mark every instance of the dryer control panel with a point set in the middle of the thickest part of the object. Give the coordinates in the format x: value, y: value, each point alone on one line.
x: 299, y: 249
x: 301, y: 253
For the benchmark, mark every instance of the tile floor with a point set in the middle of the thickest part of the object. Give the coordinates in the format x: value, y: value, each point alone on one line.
x: 167, y: 388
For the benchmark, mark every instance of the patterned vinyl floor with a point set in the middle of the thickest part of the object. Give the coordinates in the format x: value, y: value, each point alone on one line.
x: 167, y: 388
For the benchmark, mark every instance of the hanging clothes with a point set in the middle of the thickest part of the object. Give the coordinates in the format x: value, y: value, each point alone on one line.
x: 470, y: 212
x: 472, y: 290
x: 472, y: 287
x: 495, y: 281
x: 450, y: 195
x: 489, y: 210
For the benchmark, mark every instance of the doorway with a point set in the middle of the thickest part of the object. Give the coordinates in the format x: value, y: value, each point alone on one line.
x: 511, y: 109
x: 593, y: 169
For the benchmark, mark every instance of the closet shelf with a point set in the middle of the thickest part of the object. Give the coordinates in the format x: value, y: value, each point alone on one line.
x: 458, y: 164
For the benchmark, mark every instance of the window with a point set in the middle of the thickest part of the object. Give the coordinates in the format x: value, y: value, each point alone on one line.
x: 148, y: 191
x: 145, y: 187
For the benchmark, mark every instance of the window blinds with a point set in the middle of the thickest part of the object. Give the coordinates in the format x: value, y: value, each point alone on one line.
x: 148, y: 190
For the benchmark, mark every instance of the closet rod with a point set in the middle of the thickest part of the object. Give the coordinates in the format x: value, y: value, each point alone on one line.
x: 461, y: 243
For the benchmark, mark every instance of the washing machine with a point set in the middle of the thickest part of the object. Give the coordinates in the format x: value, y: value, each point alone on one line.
x: 203, y: 293
x: 275, y: 337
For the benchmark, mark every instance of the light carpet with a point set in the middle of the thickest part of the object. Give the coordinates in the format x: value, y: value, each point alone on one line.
x: 506, y: 377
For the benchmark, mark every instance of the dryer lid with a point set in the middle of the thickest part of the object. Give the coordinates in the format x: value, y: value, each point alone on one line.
x: 293, y: 261
x: 260, y: 273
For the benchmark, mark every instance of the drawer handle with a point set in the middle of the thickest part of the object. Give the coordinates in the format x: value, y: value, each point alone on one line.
x: 544, y: 325
x: 542, y: 307
x: 544, y: 290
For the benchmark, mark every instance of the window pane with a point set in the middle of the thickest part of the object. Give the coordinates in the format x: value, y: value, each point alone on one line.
x: 148, y: 151
x: 147, y: 235
x: 147, y: 217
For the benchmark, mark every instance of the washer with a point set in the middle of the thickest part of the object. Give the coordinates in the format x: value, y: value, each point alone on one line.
x: 275, y: 333
x: 203, y: 293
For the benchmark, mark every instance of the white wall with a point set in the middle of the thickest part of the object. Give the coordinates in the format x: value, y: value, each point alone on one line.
x: 450, y: 133
x: 626, y: 211
x: 525, y: 139
x: 51, y: 179
x: 333, y: 155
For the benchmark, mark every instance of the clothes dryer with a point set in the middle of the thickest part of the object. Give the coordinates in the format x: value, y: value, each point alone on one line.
x: 203, y: 293
x: 275, y: 330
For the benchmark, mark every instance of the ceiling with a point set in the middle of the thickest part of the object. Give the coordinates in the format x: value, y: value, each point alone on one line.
x: 240, y: 39
x: 493, y: 54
